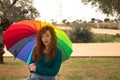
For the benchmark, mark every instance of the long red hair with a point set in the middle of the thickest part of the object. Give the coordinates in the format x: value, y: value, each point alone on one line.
x: 38, y: 50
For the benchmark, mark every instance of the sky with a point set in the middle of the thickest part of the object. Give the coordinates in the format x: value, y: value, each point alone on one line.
x: 66, y: 9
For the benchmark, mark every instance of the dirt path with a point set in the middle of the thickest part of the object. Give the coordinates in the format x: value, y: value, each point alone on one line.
x: 96, y: 49
x: 98, y: 30
x: 105, y: 31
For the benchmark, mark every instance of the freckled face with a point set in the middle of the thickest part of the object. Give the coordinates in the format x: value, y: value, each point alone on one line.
x: 46, y: 38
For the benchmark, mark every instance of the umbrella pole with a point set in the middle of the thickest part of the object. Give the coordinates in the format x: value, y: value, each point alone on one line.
x: 30, y: 75
x: 30, y: 71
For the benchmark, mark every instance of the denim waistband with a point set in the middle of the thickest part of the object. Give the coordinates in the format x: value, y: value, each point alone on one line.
x: 34, y: 75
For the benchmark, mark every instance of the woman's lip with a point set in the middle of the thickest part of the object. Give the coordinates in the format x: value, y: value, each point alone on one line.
x: 45, y: 41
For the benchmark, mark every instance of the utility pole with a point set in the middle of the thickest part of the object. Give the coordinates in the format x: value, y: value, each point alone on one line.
x: 59, y: 11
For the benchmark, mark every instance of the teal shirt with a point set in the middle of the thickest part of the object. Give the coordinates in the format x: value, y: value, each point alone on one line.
x: 49, y: 68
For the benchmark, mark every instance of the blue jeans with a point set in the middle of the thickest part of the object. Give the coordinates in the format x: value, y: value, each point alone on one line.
x: 35, y: 76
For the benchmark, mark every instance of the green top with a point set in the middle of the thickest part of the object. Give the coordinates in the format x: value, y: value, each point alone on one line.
x: 49, y: 68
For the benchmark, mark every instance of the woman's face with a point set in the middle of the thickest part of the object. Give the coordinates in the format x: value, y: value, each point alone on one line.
x: 46, y: 38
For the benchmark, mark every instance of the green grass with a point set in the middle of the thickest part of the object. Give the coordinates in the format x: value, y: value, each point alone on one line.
x: 72, y: 69
x: 106, y: 38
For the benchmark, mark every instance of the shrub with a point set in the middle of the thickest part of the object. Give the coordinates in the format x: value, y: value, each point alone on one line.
x: 80, y: 32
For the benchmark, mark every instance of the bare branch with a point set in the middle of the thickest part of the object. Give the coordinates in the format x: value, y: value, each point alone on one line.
x: 1, y: 4
x: 14, y: 2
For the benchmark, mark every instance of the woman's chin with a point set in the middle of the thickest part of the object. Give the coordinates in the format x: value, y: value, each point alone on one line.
x: 46, y: 44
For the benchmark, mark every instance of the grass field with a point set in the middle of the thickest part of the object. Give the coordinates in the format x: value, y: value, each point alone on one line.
x: 72, y: 69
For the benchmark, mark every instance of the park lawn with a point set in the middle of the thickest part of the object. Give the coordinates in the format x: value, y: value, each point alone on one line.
x: 72, y: 69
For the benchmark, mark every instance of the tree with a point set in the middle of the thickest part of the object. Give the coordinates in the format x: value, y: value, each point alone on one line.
x: 64, y: 21
x: 109, y: 7
x: 15, y: 10
x: 106, y: 20
x: 93, y: 20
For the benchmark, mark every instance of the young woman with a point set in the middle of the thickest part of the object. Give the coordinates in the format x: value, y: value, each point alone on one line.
x: 47, y: 58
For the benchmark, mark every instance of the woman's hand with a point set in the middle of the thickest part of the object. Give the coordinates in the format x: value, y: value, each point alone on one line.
x: 32, y: 67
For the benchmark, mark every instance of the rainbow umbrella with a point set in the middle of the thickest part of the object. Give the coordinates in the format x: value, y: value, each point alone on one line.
x: 20, y: 37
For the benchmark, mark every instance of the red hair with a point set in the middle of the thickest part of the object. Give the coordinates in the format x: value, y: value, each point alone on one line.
x: 38, y: 50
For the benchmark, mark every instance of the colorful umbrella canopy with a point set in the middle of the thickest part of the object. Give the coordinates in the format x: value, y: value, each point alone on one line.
x: 20, y: 37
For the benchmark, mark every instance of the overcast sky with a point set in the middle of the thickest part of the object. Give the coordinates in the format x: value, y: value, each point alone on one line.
x: 66, y: 9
